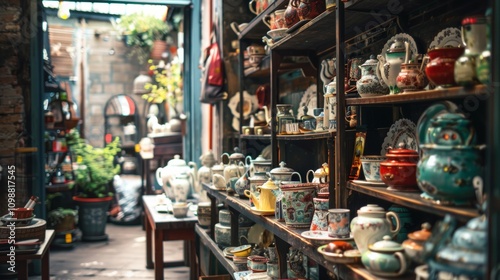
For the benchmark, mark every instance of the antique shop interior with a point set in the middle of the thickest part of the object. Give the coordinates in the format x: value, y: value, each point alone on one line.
x: 365, y: 146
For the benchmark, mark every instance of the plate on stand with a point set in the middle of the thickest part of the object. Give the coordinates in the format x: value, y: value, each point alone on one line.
x: 309, y: 99
x: 448, y: 37
x: 402, y: 131
x: 403, y: 37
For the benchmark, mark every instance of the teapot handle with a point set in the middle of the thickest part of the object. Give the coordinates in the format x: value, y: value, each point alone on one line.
x: 222, y: 158
x: 298, y: 174
x: 158, y: 175
x: 402, y: 261
x: 234, y: 27
x: 307, y: 175
x: 396, y: 218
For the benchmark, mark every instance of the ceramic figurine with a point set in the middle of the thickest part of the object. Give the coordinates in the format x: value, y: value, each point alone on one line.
x: 370, y: 84
x: 371, y: 224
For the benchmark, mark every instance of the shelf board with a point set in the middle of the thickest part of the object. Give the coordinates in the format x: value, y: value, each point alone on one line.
x: 256, y: 27
x: 256, y: 137
x: 307, y: 136
x: 480, y: 91
x: 207, y: 241
x: 413, y: 200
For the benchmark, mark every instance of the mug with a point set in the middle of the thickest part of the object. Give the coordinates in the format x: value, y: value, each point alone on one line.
x: 260, y: 5
x: 279, y: 19
x: 256, y: 50
x: 338, y: 223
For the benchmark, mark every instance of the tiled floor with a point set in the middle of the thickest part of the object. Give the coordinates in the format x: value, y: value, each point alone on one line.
x: 123, y: 256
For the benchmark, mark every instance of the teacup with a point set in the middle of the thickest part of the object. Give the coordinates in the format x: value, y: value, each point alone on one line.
x: 260, y: 5
x: 255, y: 50
x: 237, y: 28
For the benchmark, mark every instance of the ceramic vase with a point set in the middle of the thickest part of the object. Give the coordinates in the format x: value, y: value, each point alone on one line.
x: 297, y: 204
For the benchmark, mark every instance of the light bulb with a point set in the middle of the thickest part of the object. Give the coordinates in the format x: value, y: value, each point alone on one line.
x: 63, y: 12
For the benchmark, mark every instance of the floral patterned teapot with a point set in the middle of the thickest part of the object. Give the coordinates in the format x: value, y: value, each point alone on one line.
x: 370, y: 82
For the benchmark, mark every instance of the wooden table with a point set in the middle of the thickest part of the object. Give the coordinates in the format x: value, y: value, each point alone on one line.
x: 42, y: 254
x: 165, y: 227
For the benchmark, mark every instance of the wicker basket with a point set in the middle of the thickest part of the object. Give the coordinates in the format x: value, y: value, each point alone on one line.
x: 35, y: 230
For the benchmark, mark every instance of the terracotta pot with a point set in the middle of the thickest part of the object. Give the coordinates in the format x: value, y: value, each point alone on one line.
x: 440, y: 69
x: 159, y: 47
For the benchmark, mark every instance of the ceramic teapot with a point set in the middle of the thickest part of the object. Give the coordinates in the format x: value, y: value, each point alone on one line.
x: 370, y: 83
x: 283, y: 173
x: 465, y: 254
x: 328, y: 71
x: 371, y: 224
x: 414, y: 245
x: 266, y: 201
x: 389, y: 66
x: 259, y: 164
x: 451, y: 168
x: 412, y: 77
x: 175, y: 166
x: 385, y: 258
x: 320, y: 175
x: 235, y: 167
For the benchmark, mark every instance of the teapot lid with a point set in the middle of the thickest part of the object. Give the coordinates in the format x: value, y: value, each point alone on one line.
x: 176, y: 161
x: 269, y: 185
x: 397, y: 46
x: 371, y: 208
x: 401, y: 150
x: 385, y: 245
x: 478, y: 224
x: 208, y: 159
x: 237, y: 155
x: 218, y: 166
x: 370, y: 62
x: 421, y: 235
x: 282, y: 169
x: 261, y: 159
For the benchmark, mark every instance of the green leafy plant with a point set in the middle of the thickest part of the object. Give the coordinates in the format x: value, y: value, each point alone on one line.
x: 140, y: 32
x: 56, y: 216
x: 167, y: 85
x: 96, y: 167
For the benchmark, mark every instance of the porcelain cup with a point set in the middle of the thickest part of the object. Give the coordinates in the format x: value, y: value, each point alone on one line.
x: 338, y: 223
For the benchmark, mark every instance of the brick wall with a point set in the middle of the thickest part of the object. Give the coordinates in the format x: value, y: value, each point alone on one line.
x: 15, y: 34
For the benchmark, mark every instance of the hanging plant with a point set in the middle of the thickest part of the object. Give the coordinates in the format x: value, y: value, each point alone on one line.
x: 140, y: 32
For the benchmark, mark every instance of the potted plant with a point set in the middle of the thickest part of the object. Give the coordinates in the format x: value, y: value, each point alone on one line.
x: 167, y: 86
x: 94, y: 173
x: 142, y: 32
x: 62, y: 219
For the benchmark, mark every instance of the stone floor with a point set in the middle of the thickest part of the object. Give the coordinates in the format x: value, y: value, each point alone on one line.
x: 123, y: 256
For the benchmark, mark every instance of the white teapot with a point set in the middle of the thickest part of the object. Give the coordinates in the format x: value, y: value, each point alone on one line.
x: 174, y: 167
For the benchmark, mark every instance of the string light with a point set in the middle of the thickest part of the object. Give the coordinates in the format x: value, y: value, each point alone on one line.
x: 63, y: 12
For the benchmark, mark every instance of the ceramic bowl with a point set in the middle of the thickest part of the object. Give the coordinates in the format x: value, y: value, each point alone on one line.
x: 257, y: 263
x: 371, y: 167
x: 349, y: 256
x: 277, y: 34
x: 242, y: 251
x: 317, y: 237
x: 180, y: 210
x: 222, y: 235
x: 22, y: 213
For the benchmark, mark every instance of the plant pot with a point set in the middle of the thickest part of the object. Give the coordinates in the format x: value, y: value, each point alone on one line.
x: 92, y: 217
x: 66, y: 224
x: 159, y: 47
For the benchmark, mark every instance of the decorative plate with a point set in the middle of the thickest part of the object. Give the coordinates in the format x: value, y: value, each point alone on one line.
x: 402, y: 131
x: 262, y: 212
x: 317, y: 237
x: 404, y: 37
x: 448, y: 37
x: 250, y: 104
x: 309, y: 99
x: 349, y: 256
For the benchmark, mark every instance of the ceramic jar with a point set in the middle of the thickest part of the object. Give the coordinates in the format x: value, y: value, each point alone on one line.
x: 291, y: 13
x: 411, y: 77
x: 258, y: 165
x: 297, y: 204
x: 320, y: 217
x: 399, y: 170
x: 441, y: 66
x: 330, y: 107
x: 390, y: 65
x: 451, y: 167
x: 474, y: 37
x: 175, y: 166
x: 370, y: 84
x: 385, y: 258
x: 371, y: 224
x: 414, y: 245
